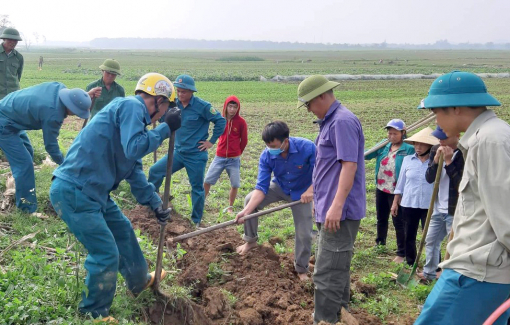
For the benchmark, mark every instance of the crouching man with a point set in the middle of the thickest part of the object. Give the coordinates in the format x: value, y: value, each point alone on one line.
x: 106, y: 152
x: 291, y: 161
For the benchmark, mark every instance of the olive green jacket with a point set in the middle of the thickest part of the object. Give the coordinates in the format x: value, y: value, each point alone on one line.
x: 106, y: 97
x: 11, y: 68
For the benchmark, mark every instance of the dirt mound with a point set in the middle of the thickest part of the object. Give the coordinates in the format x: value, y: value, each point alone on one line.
x: 258, y: 288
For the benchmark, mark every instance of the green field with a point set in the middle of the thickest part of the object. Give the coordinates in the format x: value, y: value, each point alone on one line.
x: 37, y: 282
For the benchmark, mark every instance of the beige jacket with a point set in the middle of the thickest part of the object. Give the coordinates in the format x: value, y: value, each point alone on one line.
x: 480, y: 248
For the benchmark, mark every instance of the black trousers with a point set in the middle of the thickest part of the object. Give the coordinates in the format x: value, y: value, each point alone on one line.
x: 412, y: 217
x: 383, y: 202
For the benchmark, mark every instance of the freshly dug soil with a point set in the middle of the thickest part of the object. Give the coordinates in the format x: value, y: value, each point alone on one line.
x: 258, y: 288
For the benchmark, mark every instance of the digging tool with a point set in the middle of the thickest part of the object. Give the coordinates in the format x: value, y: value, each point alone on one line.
x: 233, y: 222
x: 155, y: 154
x: 90, y: 109
x: 427, y: 119
x: 407, y: 279
x: 166, y: 196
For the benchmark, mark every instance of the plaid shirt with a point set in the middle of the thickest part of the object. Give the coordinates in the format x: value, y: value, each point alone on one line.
x: 454, y: 172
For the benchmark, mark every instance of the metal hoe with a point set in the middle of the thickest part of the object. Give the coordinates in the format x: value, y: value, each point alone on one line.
x: 233, y: 222
x: 403, y: 278
x: 166, y: 196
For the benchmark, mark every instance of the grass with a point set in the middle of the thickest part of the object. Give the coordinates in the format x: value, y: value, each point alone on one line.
x: 38, y: 285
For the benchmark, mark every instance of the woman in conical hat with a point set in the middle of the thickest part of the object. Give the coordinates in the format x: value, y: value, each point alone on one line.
x: 413, y: 192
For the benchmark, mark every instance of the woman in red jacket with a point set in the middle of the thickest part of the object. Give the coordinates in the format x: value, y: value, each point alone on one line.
x: 231, y: 145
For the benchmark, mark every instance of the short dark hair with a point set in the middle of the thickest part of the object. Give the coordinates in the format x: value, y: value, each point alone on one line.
x: 275, y: 130
x: 232, y: 102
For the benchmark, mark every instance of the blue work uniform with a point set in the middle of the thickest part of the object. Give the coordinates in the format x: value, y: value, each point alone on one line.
x: 196, y: 117
x: 33, y: 108
x: 103, y: 154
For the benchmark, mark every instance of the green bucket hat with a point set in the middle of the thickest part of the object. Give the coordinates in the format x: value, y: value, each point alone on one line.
x: 111, y: 66
x: 312, y: 87
x: 10, y: 33
x: 458, y: 89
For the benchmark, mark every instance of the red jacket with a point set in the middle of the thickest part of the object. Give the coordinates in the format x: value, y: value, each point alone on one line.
x: 235, y: 137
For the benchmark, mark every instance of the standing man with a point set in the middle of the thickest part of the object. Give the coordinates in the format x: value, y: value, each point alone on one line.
x: 11, y: 62
x: 106, y: 89
x: 41, y: 60
x: 191, y: 143
x: 228, y: 153
x: 45, y: 107
x: 476, y: 279
x: 291, y: 161
x: 109, y: 150
x: 339, y: 194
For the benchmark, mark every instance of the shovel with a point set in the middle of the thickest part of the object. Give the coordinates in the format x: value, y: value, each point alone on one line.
x: 166, y: 195
x: 232, y: 222
x: 404, y: 278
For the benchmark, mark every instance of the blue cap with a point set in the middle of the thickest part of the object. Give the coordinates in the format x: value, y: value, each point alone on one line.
x: 458, y: 89
x: 397, y: 124
x: 439, y: 133
x: 185, y: 82
x: 76, y: 100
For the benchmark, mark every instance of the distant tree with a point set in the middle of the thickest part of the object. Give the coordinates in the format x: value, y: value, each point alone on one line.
x: 27, y: 41
x: 36, y: 37
x: 4, y: 22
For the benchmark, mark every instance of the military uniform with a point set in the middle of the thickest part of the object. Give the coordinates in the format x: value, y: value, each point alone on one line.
x: 11, y: 68
x: 106, y: 97
x: 33, y: 108
x: 109, y: 150
x: 196, y: 117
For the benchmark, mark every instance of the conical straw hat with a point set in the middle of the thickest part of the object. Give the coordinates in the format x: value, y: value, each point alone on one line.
x: 424, y: 136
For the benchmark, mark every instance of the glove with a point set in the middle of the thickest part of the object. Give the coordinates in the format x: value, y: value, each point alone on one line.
x: 173, y: 118
x: 162, y: 215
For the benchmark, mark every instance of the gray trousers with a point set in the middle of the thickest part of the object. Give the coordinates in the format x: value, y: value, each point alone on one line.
x: 331, y: 274
x: 303, y: 224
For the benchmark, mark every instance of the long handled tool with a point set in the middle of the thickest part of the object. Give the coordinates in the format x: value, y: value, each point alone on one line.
x: 427, y: 119
x: 155, y: 154
x: 166, y: 196
x: 407, y: 279
x: 91, y: 107
x: 233, y: 222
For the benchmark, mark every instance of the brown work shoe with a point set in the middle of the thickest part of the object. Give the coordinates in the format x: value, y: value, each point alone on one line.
x: 153, y: 277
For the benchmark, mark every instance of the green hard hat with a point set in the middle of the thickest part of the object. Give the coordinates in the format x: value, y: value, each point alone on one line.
x: 312, y: 87
x: 458, y: 89
x: 10, y: 33
x: 185, y: 81
x: 110, y: 65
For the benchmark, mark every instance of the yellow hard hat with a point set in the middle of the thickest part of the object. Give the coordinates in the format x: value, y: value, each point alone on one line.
x: 156, y: 84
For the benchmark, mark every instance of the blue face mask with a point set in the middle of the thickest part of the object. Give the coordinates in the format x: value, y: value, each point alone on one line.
x: 275, y: 152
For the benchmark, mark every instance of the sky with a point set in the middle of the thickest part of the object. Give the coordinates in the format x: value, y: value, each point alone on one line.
x: 310, y: 21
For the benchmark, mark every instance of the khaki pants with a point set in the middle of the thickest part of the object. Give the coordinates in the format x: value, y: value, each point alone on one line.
x: 331, y: 274
x: 302, y: 214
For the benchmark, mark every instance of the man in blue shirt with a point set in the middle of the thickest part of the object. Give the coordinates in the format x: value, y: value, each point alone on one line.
x: 291, y: 160
x: 191, y: 143
x: 109, y: 150
x: 45, y: 107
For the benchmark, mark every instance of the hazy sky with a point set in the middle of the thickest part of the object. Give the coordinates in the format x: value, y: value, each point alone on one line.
x: 340, y: 21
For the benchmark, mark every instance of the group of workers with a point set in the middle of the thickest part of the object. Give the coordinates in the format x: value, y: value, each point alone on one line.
x: 327, y: 176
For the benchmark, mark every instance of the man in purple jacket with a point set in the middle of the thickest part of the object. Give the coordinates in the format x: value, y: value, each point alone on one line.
x: 339, y: 194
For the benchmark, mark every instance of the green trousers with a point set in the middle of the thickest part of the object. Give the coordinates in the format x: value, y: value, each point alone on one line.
x: 331, y: 273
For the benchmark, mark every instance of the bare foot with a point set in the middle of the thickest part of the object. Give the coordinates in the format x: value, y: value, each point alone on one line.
x: 303, y: 276
x: 398, y: 259
x: 243, y: 249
